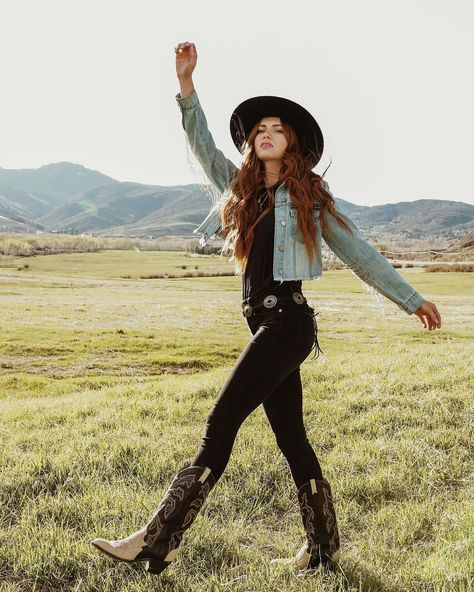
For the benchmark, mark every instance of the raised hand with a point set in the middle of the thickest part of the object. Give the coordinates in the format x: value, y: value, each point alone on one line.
x: 186, y: 59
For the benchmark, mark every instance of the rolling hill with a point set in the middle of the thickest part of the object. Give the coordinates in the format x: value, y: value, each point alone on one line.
x: 66, y: 197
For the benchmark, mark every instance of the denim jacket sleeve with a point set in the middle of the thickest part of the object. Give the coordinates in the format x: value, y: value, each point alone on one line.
x: 218, y: 169
x: 367, y: 263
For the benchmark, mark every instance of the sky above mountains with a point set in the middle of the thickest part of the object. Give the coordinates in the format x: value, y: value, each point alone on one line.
x: 389, y: 83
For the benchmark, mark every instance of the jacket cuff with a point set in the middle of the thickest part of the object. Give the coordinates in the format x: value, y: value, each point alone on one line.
x: 413, y: 303
x: 204, y: 238
x: 188, y: 102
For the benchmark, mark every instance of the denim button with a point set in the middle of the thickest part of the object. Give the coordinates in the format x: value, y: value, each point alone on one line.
x: 283, y: 223
x: 281, y: 247
x: 280, y: 271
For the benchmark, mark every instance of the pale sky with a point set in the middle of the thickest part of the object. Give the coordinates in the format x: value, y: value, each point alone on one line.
x: 389, y: 81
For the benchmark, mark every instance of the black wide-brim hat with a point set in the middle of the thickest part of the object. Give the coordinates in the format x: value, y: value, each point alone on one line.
x: 252, y: 110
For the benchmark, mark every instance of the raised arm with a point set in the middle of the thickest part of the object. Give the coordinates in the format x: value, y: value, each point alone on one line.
x: 218, y: 169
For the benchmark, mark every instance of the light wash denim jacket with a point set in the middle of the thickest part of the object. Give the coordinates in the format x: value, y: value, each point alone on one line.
x: 290, y: 260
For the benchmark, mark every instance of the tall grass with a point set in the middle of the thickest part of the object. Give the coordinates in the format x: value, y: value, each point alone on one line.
x: 105, y: 388
x: 27, y: 245
x: 461, y: 267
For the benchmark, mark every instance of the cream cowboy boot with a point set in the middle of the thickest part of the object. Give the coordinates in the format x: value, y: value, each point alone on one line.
x: 157, y: 542
x: 319, y: 521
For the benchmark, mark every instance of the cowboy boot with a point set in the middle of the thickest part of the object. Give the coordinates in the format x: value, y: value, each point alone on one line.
x: 319, y: 521
x: 158, y: 541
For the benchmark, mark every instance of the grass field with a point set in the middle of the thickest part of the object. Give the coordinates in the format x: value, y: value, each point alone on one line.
x: 105, y: 387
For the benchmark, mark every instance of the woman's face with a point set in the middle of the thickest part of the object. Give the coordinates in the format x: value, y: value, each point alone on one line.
x: 270, y: 142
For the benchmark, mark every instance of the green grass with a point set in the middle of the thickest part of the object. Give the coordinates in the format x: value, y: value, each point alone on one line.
x: 105, y: 387
x: 116, y: 264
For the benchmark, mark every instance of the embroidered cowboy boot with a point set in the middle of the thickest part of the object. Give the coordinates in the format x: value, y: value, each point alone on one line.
x: 319, y: 521
x: 158, y: 541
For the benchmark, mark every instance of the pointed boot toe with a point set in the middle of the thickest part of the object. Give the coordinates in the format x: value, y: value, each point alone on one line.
x: 107, y: 547
x: 298, y: 562
x: 158, y: 541
x: 122, y: 549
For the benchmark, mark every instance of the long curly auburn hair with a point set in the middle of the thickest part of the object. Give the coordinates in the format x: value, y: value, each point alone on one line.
x: 239, y: 214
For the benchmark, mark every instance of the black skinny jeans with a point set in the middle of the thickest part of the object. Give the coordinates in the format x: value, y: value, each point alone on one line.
x: 268, y: 372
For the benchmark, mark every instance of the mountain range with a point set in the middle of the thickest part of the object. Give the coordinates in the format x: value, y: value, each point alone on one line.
x: 67, y: 197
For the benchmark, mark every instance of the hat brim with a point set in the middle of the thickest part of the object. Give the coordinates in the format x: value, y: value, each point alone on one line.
x: 252, y: 110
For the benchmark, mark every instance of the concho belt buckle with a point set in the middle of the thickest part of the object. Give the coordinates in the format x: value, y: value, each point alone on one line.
x: 298, y: 298
x: 247, y: 310
x: 270, y: 301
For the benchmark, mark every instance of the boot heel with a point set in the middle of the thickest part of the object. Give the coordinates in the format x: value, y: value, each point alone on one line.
x: 156, y: 566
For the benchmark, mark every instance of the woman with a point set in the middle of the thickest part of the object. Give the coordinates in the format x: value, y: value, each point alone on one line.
x: 273, y: 216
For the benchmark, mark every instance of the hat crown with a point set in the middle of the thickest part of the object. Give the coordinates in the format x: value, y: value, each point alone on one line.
x: 252, y: 110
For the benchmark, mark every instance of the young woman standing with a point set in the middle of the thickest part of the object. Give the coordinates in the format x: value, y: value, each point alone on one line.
x: 274, y: 213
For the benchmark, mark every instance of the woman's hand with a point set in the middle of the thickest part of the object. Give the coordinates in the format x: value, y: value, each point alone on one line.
x: 186, y: 59
x: 429, y: 315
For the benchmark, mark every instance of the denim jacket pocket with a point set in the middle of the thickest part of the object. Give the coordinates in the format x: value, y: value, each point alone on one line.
x: 295, y: 230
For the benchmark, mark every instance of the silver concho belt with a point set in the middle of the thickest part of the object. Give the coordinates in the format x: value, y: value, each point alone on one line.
x: 271, y: 301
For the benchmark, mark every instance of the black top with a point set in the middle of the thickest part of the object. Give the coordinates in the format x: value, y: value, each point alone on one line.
x: 257, y: 281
